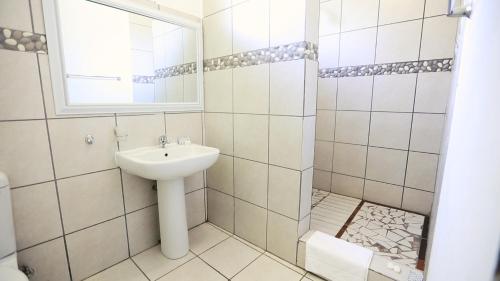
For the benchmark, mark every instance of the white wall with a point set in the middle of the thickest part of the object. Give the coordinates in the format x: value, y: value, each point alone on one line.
x: 466, y: 236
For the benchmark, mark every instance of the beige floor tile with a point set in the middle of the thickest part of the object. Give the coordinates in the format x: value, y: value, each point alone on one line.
x: 154, y: 264
x: 194, y: 270
x: 203, y: 237
x: 267, y: 269
x: 230, y: 256
x: 312, y: 277
x: 287, y: 264
x: 124, y: 271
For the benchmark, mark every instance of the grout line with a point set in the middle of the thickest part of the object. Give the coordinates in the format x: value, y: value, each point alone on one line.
x: 140, y: 269
x: 54, y: 169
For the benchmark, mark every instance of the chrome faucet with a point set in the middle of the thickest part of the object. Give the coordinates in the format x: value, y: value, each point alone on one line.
x: 163, y: 141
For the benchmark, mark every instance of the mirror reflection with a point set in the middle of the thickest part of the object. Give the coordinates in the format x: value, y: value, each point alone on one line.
x: 113, y: 56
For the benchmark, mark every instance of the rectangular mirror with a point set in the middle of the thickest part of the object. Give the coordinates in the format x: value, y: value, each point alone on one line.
x: 115, y: 57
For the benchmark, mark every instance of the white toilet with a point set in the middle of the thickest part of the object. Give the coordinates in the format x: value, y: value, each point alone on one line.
x: 8, y: 256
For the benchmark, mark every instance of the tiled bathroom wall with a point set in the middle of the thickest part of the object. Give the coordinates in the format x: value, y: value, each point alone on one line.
x: 382, y: 94
x: 260, y: 104
x: 75, y: 212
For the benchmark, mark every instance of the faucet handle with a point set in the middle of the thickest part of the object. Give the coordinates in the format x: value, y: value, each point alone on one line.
x: 184, y: 140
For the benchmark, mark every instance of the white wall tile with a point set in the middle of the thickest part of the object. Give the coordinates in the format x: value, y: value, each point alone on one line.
x: 21, y: 93
x: 250, y: 223
x: 47, y: 267
x: 251, y: 89
x: 250, y: 181
x: 327, y: 93
x: 90, y: 199
x: 174, y: 87
x: 358, y: 14
x: 138, y: 192
x: 357, y: 47
x: 436, y: 7
x: 390, y: 130
x: 438, y: 38
x: 287, y: 88
x: 426, y: 132
x: 15, y: 14
x: 25, y: 152
x: 36, y: 214
x: 386, y: 165
x: 220, y: 175
x: 305, y: 194
x: 284, y: 191
x: 195, y: 208
x: 396, y: 10
x: 194, y: 182
x: 321, y: 180
x: 143, y: 229
x: 72, y: 156
x: 220, y: 209
x: 355, y: 93
x: 352, y: 127
x: 218, y: 34
x: 398, y: 42
x: 251, y: 137
x: 383, y: 193
x: 328, y: 51
x: 185, y: 125
x: 212, y: 6
x: 347, y: 185
x: 308, y: 133
x: 433, y: 90
x: 311, y: 87
x: 284, y: 30
x: 251, y: 25
x: 329, y: 18
x: 417, y: 201
x: 94, y: 249
x: 349, y: 159
x: 394, y: 92
x: 219, y: 131
x: 421, y: 171
x: 323, y: 155
x: 190, y: 88
x: 37, y: 16
x: 285, y: 141
x: 312, y: 21
x: 139, y: 134
x: 218, y: 90
x: 325, y: 125
x: 282, y: 236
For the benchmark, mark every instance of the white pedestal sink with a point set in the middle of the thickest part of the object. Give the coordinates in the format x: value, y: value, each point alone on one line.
x: 168, y: 166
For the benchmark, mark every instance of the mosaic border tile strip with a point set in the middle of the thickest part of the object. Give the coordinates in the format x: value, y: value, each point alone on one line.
x: 286, y: 52
x: 408, y: 67
x: 23, y: 41
x: 143, y: 79
x: 176, y: 70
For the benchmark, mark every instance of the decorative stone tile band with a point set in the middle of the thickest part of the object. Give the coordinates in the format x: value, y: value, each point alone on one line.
x: 23, y: 41
x: 287, y: 52
x: 436, y: 65
x: 176, y: 70
x: 143, y: 79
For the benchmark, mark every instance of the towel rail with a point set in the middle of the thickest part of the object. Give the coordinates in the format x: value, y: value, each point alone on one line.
x: 95, y: 77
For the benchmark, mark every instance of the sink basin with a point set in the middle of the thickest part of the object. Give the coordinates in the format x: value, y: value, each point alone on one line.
x: 173, y: 161
x: 168, y: 166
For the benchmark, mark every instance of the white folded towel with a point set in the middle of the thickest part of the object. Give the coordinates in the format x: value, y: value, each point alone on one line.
x: 336, y: 259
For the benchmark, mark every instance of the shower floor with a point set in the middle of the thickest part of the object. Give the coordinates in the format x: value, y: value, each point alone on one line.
x: 393, y: 233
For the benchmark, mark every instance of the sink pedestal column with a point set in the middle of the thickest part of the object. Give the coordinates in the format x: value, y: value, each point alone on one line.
x: 173, y: 223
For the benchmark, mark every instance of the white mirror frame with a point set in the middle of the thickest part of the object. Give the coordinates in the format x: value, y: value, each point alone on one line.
x: 56, y: 60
